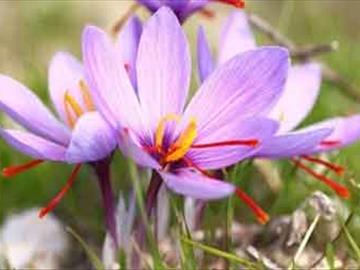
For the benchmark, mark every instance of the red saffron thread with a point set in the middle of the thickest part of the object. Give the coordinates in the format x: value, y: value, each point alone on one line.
x: 339, y: 170
x: 251, y: 143
x: 191, y: 164
x: 330, y: 143
x: 261, y: 215
x: 339, y: 189
x: 14, y: 170
x: 55, y: 201
x: 235, y: 3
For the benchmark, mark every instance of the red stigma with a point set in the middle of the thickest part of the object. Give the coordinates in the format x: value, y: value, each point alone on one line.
x: 339, y: 189
x: 339, y: 170
x: 191, y: 164
x: 55, y: 201
x: 261, y: 215
x: 330, y: 143
x: 235, y: 3
x: 14, y: 170
x: 250, y: 143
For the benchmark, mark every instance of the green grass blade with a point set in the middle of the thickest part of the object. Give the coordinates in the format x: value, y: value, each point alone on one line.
x: 122, y: 260
x: 153, y: 248
x: 330, y: 256
x: 220, y: 253
x: 94, y: 259
x: 352, y: 243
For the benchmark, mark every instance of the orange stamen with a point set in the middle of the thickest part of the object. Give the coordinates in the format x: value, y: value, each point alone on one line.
x: 181, y: 146
x: 235, y: 3
x: 251, y: 143
x: 339, y: 189
x: 339, y: 170
x: 55, y: 201
x: 71, y: 106
x: 330, y: 143
x: 261, y: 215
x: 14, y: 170
x: 86, y: 96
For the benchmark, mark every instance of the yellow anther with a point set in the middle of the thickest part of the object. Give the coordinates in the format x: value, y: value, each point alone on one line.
x: 72, y: 107
x: 89, y: 105
x: 160, y: 130
x: 183, y: 143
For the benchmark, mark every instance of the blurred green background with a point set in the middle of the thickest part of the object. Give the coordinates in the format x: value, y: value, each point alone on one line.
x: 32, y: 31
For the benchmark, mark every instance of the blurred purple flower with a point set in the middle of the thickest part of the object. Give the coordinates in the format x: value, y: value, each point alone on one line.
x: 301, y: 91
x: 80, y: 135
x: 185, y: 8
x: 217, y: 129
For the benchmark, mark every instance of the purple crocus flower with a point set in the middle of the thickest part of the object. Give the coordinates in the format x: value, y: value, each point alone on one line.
x: 217, y: 128
x: 301, y: 91
x: 185, y: 8
x: 79, y: 134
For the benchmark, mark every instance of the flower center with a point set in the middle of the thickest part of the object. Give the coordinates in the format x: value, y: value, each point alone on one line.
x: 180, y: 147
x: 185, y: 141
x: 73, y: 109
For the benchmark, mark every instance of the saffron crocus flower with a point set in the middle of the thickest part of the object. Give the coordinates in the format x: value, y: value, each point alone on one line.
x: 217, y: 128
x: 185, y: 8
x: 298, y: 99
x: 79, y: 134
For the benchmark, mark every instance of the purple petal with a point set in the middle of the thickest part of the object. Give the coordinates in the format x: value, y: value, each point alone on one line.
x: 236, y: 37
x: 205, y: 60
x: 127, y: 43
x: 243, y: 129
x: 192, y: 184
x: 32, y: 145
x: 151, y: 5
x: 132, y: 148
x: 112, y: 90
x: 301, y: 91
x: 192, y: 7
x: 163, y: 67
x: 24, y: 107
x: 346, y: 130
x: 92, y: 139
x: 176, y: 6
x: 249, y: 84
x: 293, y: 144
x: 65, y: 74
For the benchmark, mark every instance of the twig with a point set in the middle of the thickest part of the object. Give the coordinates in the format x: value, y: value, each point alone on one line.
x: 313, y: 50
x: 266, y: 28
x: 304, y: 54
x: 120, y: 22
